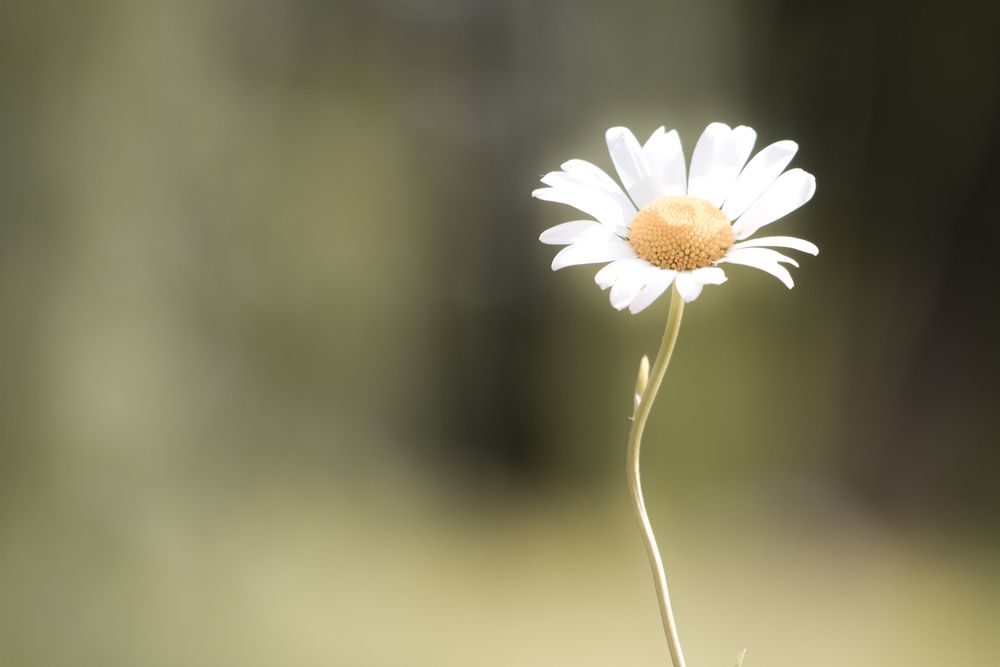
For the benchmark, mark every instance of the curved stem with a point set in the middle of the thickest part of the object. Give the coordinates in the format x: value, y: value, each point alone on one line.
x: 639, y: 416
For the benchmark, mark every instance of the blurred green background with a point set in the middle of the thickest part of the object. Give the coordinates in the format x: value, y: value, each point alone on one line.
x: 286, y: 379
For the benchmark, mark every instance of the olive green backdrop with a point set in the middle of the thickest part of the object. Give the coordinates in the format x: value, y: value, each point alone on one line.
x: 285, y: 378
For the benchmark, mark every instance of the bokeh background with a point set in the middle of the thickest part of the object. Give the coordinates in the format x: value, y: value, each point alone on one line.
x: 285, y: 378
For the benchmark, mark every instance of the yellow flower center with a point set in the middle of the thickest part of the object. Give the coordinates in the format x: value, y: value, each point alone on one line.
x: 680, y: 233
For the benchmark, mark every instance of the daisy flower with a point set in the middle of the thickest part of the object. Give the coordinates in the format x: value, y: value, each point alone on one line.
x: 666, y: 226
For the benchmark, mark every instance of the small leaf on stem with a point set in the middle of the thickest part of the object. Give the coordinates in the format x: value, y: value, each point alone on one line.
x: 641, y: 379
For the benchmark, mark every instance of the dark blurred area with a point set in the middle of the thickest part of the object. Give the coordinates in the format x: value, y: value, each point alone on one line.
x: 287, y: 378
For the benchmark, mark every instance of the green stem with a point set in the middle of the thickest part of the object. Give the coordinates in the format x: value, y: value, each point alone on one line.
x: 639, y: 416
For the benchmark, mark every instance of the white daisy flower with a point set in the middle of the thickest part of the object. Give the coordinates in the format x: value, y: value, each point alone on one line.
x: 669, y: 227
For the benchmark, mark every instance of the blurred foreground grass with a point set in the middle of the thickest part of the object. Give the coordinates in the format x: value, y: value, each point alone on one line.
x: 283, y: 572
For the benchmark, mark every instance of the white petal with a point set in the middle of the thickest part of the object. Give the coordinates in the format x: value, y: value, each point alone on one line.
x: 759, y: 173
x: 592, y: 252
x: 710, y: 275
x: 572, y: 232
x: 708, y: 145
x: 589, y: 200
x: 627, y: 287
x: 590, y: 174
x: 584, y: 174
x: 688, y: 286
x: 557, y: 179
x: 608, y: 275
x: 655, y: 286
x: 778, y: 242
x: 632, y: 166
x: 791, y: 190
x: 753, y: 257
x: 666, y: 159
x: 718, y: 159
x: 765, y: 254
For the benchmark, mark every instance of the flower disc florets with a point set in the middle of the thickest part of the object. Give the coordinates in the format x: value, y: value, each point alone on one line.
x: 680, y: 233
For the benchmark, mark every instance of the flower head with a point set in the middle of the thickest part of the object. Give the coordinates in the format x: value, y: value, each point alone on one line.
x: 670, y: 227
